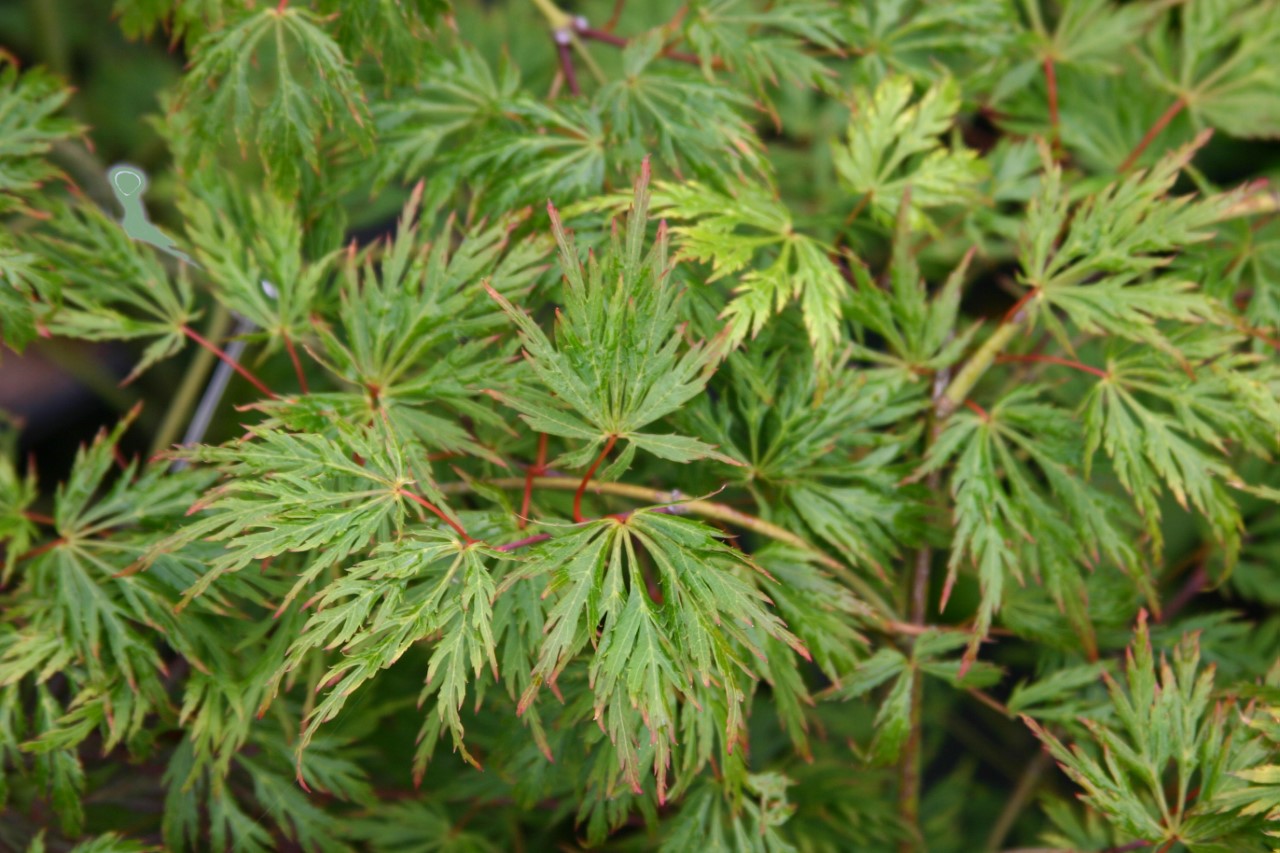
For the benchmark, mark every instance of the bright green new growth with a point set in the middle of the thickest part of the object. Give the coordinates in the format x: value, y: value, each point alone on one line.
x: 872, y: 448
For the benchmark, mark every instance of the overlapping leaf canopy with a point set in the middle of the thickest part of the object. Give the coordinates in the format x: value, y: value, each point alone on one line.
x: 787, y: 500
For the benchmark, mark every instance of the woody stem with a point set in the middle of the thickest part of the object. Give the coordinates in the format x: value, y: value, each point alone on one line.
x: 885, y: 613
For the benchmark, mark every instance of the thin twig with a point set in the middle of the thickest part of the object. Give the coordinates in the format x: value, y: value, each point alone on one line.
x: 564, y: 50
x: 183, y: 401
x: 586, y: 478
x: 297, y: 365
x: 523, y: 543
x: 990, y: 701
x: 1053, y: 359
x: 958, y: 391
x: 888, y: 618
x: 1011, y: 316
x: 229, y: 361
x: 1161, y: 124
x: 1194, y: 586
x: 1022, y: 792
x: 423, y: 502
x: 41, y: 549
x: 557, y: 18
x: 538, y: 467
x: 208, y: 407
x: 617, y: 13
x: 977, y: 410
x: 910, y: 770
x: 1051, y: 80
x: 606, y: 37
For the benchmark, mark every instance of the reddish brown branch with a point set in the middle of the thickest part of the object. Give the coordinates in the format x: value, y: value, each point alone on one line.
x: 524, y: 543
x: 1051, y: 80
x: 446, y: 519
x: 229, y: 361
x: 1053, y: 359
x: 48, y: 546
x: 1011, y: 316
x: 617, y: 13
x: 586, y: 478
x: 297, y: 365
x: 601, y: 35
x: 1194, y: 586
x: 565, y: 53
x: 537, y: 469
x: 1161, y: 124
x: 990, y: 701
x: 618, y: 41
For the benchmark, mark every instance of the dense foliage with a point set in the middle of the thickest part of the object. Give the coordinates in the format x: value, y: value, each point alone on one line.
x: 880, y: 412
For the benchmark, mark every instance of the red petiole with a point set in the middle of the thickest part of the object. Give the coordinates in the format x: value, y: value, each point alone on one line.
x: 1053, y: 359
x: 586, y: 478
x: 229, y: 361
x: 423, y: 502
x: 538, y: 468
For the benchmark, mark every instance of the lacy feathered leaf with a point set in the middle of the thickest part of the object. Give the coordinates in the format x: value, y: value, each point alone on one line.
x: 276, y: 80
x: 617, y: 362
x: 655, y: 636
x: 894, y: 142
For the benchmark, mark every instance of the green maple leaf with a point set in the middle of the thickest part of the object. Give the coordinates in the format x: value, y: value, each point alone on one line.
x: 893, y: 142
x: 1079, y: 35
x: 919, y: 333
x: 406, y: 592
x: 29, y: 127
x: 414, y: 334
x: 690, y: 122
x: 648, y: 654
x: 927, y: 40
x: 617, y: 362
x: 1102, y: 273
x: 1216, y: 58
x: 17, y: 493
x: 280, y: 112
x: 304, y: 492
x: 188, y: 19
x: 239, y: 261
x: 462, y: 98
x: 393, y: 32
x: 893, y: 720
x: 744, y: 231
x: 814, y: 451
x: 1170, y: 758
x: 22, y: 277
x: 1163, y: 428
x: 104, y: 286
x: 767, y: 47
x: 1007, y: 521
